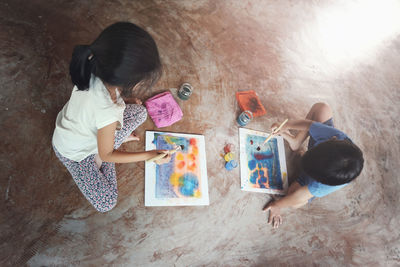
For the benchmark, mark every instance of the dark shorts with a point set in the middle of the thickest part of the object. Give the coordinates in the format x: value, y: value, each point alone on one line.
x: 304, y: 179
x: 311, y: 142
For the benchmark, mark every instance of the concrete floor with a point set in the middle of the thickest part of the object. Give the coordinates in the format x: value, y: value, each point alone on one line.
x: 293, y: 53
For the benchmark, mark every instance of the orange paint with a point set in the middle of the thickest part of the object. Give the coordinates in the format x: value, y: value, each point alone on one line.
x: 195, y: 150
x: 192, y: 157
x: 192, y: 167
x: 265, y: 171
x: 193, y: 141
x: 181, y: 165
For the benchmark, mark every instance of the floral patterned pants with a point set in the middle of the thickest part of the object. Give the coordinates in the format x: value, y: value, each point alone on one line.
x: 99, y: 186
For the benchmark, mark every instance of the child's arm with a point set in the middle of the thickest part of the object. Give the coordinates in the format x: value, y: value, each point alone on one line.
x: 105, y: 145
x: 300, y: 125
x: 295, y: 200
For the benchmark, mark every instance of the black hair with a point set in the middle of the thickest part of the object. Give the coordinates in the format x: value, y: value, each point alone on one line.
x: 122, y: 55
x: 333, y: 162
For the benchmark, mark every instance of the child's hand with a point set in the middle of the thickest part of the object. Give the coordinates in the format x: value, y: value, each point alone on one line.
x: 165, y: 159
x: 275, y: 218
x: 132, y: 100
x: 275, y: 126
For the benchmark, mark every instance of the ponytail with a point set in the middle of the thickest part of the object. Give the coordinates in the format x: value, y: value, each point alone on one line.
x: 81, y: 66
x: 123, y: 54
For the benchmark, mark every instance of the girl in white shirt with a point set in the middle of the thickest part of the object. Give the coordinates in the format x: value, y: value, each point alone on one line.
x: 101, y: 115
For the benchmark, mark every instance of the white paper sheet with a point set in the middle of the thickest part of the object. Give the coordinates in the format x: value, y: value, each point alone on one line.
x: 262, y: 166
x: 183, y: 181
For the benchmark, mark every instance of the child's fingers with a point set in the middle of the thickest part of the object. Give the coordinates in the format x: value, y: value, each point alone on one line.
x: 267, y: 208
x: 270, y: 219
x: 161, y: 161
x: 274, y: 126
x: 165, y: 159
x: 276, y: 223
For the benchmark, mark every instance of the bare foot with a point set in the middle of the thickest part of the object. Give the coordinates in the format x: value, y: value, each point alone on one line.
x: 98, y: 161
x: 288, y: 133
x: 276, y: 197
x: 132, y: 137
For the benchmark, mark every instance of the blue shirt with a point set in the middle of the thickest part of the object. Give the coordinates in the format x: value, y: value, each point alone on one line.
x: 321, y: 132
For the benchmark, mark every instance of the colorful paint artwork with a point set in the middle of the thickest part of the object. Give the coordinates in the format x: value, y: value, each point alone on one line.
x: 262, y: 166
x: 182, y: 181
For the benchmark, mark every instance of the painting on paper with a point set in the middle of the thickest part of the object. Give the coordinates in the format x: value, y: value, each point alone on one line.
x: 182, y: 181
x: 262, y: 166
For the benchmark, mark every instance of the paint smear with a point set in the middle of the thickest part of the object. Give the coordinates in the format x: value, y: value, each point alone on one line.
x: 180, y: 178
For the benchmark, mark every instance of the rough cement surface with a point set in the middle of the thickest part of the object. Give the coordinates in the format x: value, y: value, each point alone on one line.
x: 219, y: 47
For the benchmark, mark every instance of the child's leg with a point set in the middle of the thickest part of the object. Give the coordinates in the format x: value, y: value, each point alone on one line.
x: 293, y: 187
x: 98, y: 186
x: 134, y: 116
x: 319, y: 112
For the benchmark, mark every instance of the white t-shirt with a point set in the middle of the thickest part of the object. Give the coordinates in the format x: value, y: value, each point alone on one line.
x: 75, y: 136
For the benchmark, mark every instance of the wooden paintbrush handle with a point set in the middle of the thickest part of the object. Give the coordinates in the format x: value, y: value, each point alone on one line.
x: 275, y: 131
x: 280, y: 126
x: 161, y: 155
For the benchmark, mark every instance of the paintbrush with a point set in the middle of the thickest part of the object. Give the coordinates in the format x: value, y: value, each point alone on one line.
x: 275, y: 131
x: 163, y: 154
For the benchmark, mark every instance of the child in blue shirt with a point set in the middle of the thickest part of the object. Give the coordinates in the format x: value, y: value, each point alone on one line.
x: 331, y: 162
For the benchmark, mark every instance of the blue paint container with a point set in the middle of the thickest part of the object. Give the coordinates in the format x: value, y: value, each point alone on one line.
x: 245, y: 117
x: 230, y: 165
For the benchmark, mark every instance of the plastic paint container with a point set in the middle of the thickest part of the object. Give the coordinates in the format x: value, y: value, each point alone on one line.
x: 185, y: 91
x: 230, y: 165
x: 229, y: 148
x: 245, y: 117
x: 229, y: 156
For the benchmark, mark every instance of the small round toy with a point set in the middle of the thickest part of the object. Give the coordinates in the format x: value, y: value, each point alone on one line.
x: 229, y: 156
x: 230, y: 165
x: 229, y: 148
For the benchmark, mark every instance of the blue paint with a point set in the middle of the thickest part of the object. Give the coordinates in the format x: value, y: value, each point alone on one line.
x: 164, y: 189
x: 230, y: 165
x: 253, y: 178
x: 252, y: 164
x: 189, y: 183
x: 263, y: 162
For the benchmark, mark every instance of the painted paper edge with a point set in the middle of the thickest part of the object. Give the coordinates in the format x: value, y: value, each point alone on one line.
x: 282, y: 161
x: 150, y: 183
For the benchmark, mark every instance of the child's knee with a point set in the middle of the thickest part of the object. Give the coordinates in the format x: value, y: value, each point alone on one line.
x: 322, y: 112
x: 321, y: 106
